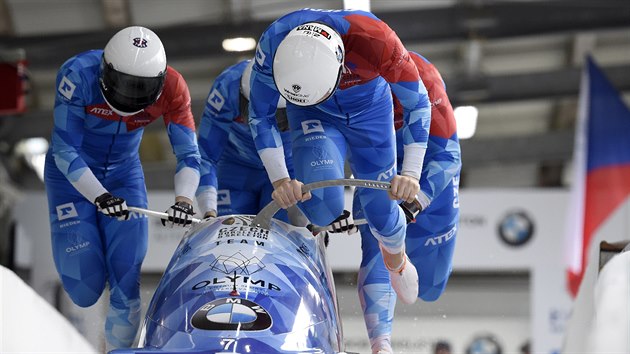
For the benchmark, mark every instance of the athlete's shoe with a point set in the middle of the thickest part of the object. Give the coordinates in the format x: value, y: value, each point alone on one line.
x: 121, y: 325
x: 381, y: 344
x: 405, y: 281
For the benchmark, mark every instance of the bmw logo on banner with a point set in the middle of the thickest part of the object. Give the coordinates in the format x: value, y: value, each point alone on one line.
x: 516, y: 228
x: 484, y: 345
x: 230, y: 314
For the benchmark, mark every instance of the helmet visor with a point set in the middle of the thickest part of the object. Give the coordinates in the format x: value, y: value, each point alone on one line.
x: 129, y: 93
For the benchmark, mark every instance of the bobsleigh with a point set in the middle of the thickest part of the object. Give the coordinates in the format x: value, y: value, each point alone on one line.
x: 247, y: 284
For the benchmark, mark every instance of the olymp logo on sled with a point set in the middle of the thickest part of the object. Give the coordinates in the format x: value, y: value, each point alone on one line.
x: 66, y: 211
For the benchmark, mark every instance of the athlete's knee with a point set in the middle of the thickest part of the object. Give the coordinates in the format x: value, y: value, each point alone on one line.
x: 324, y: 209
x: 84, y: 298
x: 322, y: 219
x: 430, y: 289
x: 323, y: 214
x: 81, y: 302
x: 386, y: 223
x: 432, y: 294
x: 86, y: 291
x: 382, y: 212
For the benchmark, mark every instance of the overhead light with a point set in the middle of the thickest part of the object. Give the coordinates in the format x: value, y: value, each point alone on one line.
x: 356, y: 5
x: 32, y: 146
x: 239, y: 44
x: 34, y: 152
x: 466, y: 118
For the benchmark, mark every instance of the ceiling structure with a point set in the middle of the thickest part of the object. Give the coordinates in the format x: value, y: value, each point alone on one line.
x: 519, y: 62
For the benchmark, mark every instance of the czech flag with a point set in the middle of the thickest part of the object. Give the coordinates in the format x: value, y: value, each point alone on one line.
x: 601, y: 166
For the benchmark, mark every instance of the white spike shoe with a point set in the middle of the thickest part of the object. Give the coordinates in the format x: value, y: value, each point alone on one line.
x: 405, y: 281
x: 381, y: 344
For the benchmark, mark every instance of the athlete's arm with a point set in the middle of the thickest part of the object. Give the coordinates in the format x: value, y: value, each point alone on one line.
x: 222, y: 107
x: 67, y: 135
x: 443, y: 159
x: 180, y: 127
x: 262, y: 108
x: 401, y: 73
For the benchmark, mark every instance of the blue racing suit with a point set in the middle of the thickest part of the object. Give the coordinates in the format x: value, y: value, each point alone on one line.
x: 93, y: 151
x: 233, y: 179
x: 430, y: 240
x: 356, y: 121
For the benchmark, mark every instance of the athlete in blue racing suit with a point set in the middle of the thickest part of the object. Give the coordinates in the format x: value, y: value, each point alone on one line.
x: 101, y: 109
x: 233, y: 179
x: 430, y: 240
x: 305, y: 56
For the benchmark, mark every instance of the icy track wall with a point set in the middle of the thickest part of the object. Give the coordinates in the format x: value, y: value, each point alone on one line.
x: 29, y: 324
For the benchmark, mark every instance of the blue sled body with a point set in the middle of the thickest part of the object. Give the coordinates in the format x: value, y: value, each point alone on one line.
x: 234, y: 288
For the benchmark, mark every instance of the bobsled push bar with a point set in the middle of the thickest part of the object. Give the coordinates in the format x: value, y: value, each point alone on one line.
x: 263, y: 219
x: 156, y: 214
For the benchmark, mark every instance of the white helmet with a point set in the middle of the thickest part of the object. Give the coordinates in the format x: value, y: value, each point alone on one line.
x: 245, y: 88
x: 307, y: 64
x: 133, y: 70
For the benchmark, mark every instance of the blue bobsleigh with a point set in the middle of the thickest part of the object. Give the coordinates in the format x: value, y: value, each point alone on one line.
x: 247, y: 284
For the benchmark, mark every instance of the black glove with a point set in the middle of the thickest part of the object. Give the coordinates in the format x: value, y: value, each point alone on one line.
x: 411, y: 210
x: 180, y: 214
x: 112, y: 206
x: 343, y: 223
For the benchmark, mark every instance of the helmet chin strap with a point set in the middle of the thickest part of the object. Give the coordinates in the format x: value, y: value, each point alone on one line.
x: 120, y: 113
x: 124, y: 114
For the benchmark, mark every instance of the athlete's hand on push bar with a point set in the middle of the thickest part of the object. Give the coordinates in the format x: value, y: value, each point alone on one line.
x: 179, y: 214
x: 112, y: 206
x: 404, y: 188
x: 287, y: 192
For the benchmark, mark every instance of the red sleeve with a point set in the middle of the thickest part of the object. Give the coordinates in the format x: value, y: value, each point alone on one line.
x: 396, y: 66
x: 175, y: 100
x: 375, y: 48
x: 442, y: 117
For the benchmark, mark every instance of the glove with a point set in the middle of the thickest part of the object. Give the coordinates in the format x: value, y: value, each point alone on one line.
x: 112, y: 206
x: 411, y: 210
x: 343, y: 223
x: 209, y: 215
x: 180, y: 214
